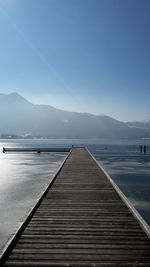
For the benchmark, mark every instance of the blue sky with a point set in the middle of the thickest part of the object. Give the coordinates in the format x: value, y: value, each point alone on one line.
x: 79, y: 55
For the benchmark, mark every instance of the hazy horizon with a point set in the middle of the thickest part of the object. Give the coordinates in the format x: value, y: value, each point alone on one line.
x: 78, y: 55
x: 75, y: 111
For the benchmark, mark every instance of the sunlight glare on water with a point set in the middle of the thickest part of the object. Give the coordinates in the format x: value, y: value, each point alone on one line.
x: 23, y: 176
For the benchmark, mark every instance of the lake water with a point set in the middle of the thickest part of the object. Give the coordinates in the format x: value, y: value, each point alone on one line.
x: 23, y: 176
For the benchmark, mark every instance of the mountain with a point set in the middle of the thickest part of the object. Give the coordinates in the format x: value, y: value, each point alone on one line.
x: 139, y: 124
x: 18, y: 116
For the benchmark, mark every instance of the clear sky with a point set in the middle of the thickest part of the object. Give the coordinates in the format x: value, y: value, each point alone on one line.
x: 79, y: 55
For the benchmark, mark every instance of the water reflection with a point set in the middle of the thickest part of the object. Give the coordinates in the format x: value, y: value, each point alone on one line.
x: 131, y: 172
x: 22, y: 178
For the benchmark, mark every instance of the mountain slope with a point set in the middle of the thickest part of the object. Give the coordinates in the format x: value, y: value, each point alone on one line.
x: 19, y: 116
x: 139, y: 124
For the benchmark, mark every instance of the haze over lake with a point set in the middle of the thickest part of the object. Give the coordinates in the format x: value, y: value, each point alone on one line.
x: 19, y: 117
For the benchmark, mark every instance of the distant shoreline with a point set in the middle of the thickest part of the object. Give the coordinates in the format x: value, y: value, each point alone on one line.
x: 9, y: 137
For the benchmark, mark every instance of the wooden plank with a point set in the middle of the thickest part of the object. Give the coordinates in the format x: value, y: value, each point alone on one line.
x: 71, y: 256
x: 89, y: 251
x: 62, y: 263
x: 109, y: 245
x: 86, y: 236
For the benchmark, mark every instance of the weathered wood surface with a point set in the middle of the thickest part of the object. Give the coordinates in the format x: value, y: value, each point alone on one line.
x: 38, y: 150
x: 81, y: 222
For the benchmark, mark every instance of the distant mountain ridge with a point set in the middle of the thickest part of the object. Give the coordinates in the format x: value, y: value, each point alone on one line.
x: 139, y: 124
x: 19, y: 116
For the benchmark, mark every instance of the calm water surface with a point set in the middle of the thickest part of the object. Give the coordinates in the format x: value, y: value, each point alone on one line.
x: 23, y: 176
x: 131, y: 172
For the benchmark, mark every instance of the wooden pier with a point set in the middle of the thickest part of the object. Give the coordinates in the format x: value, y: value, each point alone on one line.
x: 38, y: 150
x: 81, y: 221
